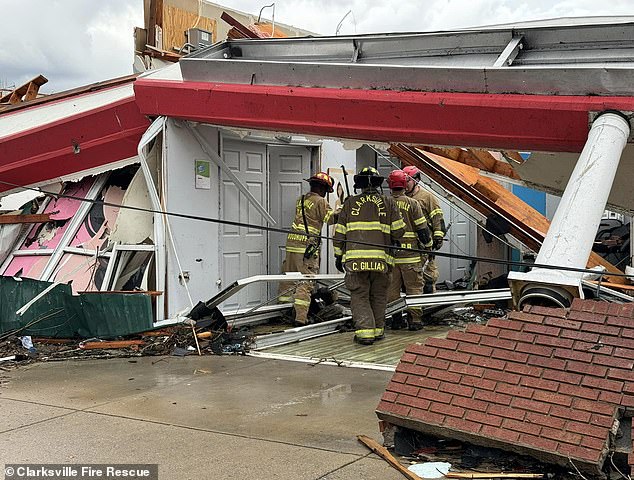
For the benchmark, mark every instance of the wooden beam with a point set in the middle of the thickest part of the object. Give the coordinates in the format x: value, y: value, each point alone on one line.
x: 112, y: 344
x: 238, y: 26
x: 15, y: 96
x: 156, y: 19
x: 163, y: 54
x: 387, y: 456
x: 477, y: 158
x: 34, y: 218
x: 515, y: 156
x: 31, y: 92
x: 614, y: 285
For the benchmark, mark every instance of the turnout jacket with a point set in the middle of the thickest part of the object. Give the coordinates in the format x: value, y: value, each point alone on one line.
x: 432, y: 211
x: 318, y: 212
x: 370, y: 218
x: 415, y: 221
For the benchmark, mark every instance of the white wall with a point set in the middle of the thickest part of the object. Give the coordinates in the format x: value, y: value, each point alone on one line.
x: 333, y: 156
x: 196, y: 241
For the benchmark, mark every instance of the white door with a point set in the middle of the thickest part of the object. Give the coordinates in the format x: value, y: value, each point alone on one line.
x: 289, y: 166
x: 459, y: 240
x: 244, y: 250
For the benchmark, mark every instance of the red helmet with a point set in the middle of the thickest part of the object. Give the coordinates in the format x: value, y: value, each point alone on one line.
x: 323, y: 179
x: 397, y: 179
x: 412, y: 171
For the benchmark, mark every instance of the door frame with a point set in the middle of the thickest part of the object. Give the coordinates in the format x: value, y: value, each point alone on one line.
x: 315, y: 152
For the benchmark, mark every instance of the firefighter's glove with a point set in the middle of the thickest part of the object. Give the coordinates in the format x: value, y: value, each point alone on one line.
x: 339, y: 263
x: 425, y: 237
x: 438, y: 243
x: 311, y: 250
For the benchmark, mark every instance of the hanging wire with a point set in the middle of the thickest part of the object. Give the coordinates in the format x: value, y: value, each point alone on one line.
x: 315, y: 236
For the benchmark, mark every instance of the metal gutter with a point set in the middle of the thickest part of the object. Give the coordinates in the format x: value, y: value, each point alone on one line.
x: 454, y: 297
x: 554, y: 60
x: 250, y: 316
x: 323, y: 361
x: 298, y: 334
x: 609, y: 294
x: 238, y: 285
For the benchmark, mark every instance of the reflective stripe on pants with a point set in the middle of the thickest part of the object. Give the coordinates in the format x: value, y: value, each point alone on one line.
x: 411, y: 276
x: 298, y: 292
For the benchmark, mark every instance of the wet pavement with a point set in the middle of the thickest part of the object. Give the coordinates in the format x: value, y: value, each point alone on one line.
x: 197, y: 417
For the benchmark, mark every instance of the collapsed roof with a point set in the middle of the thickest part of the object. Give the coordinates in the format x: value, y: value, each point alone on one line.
x: 530, y: 88
x: 551, y: 383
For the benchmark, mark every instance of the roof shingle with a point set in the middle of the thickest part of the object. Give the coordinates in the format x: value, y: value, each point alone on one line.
x: 545, y: 382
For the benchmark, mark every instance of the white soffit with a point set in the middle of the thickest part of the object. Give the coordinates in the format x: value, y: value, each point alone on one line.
x: 25, y: 119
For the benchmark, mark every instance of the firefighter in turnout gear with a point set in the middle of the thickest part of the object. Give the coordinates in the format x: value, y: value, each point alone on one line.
x: 433, y: 213
x: 369, y: 225
x: 408, y: 267
x: 312, y: 211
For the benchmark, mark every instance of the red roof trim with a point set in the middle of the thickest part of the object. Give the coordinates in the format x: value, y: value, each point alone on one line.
x: 521, y: 122
x: 104, y: 135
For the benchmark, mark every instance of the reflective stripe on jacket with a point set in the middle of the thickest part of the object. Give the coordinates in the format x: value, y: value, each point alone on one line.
x: 317, y: 211
x: 414, y: 219
x: 432, y: 211
x: 373, y: 219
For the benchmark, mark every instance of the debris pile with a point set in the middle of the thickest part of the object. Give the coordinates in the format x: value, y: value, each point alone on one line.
x: 462, y: 316
x: 417, y: 447
x: 179, y: 340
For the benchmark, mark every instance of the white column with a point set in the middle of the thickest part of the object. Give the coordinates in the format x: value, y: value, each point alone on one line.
x: 574, y: 226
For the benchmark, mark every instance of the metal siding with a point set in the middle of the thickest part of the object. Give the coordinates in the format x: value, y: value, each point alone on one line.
x: 534, y: 198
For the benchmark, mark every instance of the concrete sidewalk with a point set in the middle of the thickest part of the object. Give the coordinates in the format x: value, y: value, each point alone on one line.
x: 197, y: 417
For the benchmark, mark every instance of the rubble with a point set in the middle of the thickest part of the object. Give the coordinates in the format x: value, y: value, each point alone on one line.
x: 153, y: 343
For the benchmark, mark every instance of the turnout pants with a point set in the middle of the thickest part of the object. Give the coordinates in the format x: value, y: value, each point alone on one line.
x: 411, y: 276
x: 368, y: 298
x: 298, y: 293
x: 430, y: 270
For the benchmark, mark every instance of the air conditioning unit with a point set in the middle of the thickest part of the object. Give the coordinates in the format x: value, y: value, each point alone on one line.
x: 199, y: 38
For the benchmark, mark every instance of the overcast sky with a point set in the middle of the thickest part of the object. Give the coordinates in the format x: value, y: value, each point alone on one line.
x: 76, y: 42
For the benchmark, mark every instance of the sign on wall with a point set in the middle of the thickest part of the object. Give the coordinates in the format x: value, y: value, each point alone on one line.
x: 203, y: 174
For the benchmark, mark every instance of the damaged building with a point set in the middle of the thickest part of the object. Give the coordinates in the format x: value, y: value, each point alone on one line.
x: 152, y: 190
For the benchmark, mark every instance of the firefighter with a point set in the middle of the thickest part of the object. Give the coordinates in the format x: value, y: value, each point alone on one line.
x: 433, y: 213
x: 408, y: 267
x: 302, y: 251
x: 369, y: 224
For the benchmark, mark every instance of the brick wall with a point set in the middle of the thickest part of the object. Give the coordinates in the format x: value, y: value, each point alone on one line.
x: 544, y: 382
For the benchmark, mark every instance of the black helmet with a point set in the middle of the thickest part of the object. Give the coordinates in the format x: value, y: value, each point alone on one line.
x: 368, y: 177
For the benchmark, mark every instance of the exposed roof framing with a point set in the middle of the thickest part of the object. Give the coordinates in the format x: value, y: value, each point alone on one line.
x: 441, y: 88
x: 488, y: 198
x: 26, y: 92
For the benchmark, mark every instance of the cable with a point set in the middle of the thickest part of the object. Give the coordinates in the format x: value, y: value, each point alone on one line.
x: 316, y: 236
